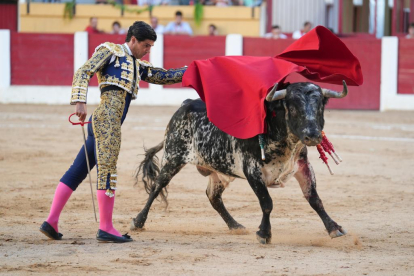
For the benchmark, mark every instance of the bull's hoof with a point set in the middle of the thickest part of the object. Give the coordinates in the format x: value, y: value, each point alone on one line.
x: 339, y: 232
x: 136, y: 225
x: 263, y: 238
x: 236, y: 226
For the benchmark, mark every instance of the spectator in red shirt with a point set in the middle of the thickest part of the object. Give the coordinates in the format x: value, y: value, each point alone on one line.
x: 92, y: 27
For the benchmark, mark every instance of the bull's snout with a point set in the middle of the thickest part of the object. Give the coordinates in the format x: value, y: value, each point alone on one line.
x: 312, y: 139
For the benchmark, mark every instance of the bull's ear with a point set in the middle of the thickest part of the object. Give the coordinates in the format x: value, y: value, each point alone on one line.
x: 333, y: 94
x: 274, y: 95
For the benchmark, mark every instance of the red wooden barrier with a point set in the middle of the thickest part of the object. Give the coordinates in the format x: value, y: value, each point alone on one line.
x: 41, y: 59
x: 8, y: 17
x: 406, y: 66
x: 182, y: 50
x: 368, y: 51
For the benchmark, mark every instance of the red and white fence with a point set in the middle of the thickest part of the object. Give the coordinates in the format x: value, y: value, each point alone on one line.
x: 38, y: 68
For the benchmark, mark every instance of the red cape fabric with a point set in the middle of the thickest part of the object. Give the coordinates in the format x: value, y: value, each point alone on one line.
x: 234, y: 87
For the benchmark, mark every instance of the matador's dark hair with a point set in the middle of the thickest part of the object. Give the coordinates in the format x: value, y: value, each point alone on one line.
x: 141, y: 31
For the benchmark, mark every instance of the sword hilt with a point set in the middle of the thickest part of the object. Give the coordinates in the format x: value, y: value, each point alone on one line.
x: 78, y: 123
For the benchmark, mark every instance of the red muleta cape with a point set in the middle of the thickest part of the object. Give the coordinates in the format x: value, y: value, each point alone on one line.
x: 234, y: 88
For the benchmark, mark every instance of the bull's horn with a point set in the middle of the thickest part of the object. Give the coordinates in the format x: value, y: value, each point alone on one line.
x: 275, y: 95
x: 333, y: 94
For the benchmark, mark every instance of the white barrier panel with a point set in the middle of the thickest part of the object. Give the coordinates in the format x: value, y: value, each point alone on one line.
x: 234, y: 45
x: 5, y: 68
x: 80, y: 50
x: 157, y: 59
x: 390, y: 99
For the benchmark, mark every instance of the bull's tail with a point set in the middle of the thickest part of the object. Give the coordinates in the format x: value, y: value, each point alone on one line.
x: 149, y: 168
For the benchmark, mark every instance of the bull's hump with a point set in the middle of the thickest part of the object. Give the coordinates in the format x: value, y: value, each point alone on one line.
x: 196, y: 105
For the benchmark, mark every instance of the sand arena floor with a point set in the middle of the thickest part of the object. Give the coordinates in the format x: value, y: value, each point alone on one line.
x: 371, y: 195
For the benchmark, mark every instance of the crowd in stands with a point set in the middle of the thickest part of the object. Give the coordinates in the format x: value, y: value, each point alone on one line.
x: 176, y: 27
x: 181, y: 27
x: 219, y: 3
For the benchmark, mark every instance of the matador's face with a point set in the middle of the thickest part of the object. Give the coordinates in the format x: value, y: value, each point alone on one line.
x: 141, y: 48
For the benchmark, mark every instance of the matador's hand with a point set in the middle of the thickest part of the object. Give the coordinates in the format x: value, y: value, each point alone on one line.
x: 81, y: 111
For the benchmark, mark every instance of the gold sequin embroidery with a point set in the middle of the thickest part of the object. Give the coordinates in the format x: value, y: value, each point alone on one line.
x: 106, y: 122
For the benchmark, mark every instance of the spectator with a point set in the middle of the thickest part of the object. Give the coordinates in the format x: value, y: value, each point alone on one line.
x: 116, y: 28
x: 276, y: 33
x: 178, y: 27
x: 212, y: 30
x: 101, y: 1
x: 247, y: 3
x: 153, y: 3
x: 307, y: 26
x: 410, y: 31
x: 159, y: 29
x: 93, y: 26
x: 222, y: 3
x: 208, y: 2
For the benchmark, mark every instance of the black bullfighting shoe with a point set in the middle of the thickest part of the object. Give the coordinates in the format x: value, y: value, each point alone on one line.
x: 50, y: 232
x: 103, y: 236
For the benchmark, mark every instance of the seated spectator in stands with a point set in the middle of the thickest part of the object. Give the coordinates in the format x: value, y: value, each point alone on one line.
x: 93, y: 26
x: 178, y: 27
x: 222, y: 3
x: 212, y: 30
x: 276, y: 33
x: 250, y: 3
x: 101, y: 1
x: 208, y: 2
x: 159, y: 29
x: 410, y: 31
x: 153, y: 2
x: 116, y: 28
x: 307, y: 26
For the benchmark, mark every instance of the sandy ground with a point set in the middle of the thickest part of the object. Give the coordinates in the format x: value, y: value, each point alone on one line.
x: 371, y: 195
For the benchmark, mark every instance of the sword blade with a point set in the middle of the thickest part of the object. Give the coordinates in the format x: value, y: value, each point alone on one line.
x: 89, y: 170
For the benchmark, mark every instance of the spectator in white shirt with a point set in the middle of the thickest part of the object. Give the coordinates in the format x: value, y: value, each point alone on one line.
x: 153, y: 2
x: 307, y: 26
x: 159, y: 29
x: 276, y: 33
x: 178, y: 27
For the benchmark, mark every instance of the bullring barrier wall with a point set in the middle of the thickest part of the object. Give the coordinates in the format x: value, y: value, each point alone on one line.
x: 38, y: 68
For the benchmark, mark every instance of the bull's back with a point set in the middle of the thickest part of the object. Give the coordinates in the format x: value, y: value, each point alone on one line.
x: 198, y: 139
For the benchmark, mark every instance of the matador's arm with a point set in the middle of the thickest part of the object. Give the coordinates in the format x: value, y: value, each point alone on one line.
x: 157, y: 75
x: 83, y: 74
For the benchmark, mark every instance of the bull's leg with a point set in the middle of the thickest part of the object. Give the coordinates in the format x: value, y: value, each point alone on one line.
x: 166, y: 174
x: 264, y: 235
x: 214, y: 190
x: 306, y: 178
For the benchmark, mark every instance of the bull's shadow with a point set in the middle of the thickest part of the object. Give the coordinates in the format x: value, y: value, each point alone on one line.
x: 295, y: 120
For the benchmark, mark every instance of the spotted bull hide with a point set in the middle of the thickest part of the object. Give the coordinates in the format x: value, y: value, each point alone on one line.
x: 294, y: 121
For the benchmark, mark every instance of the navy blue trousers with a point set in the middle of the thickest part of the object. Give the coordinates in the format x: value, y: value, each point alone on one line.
x: 79, y: 169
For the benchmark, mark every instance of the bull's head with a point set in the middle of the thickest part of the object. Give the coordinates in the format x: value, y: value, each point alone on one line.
x: 304, y: 103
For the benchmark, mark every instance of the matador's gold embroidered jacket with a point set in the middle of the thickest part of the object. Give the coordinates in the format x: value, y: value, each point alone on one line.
x: 114, y: 65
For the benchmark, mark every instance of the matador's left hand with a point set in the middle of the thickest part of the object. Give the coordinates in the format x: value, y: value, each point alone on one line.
x: 81, y: 111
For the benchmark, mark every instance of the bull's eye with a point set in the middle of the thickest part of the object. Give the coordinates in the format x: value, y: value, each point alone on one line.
x: 292, y: 110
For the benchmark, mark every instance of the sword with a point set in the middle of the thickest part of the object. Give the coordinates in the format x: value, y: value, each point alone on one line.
x: 87, y: 158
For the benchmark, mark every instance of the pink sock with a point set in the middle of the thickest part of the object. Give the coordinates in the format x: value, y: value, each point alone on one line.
x: 106, y: 206
x: 62, y: 194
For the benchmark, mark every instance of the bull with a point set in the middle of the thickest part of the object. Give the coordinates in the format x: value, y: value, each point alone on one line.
x: 295, y: 119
